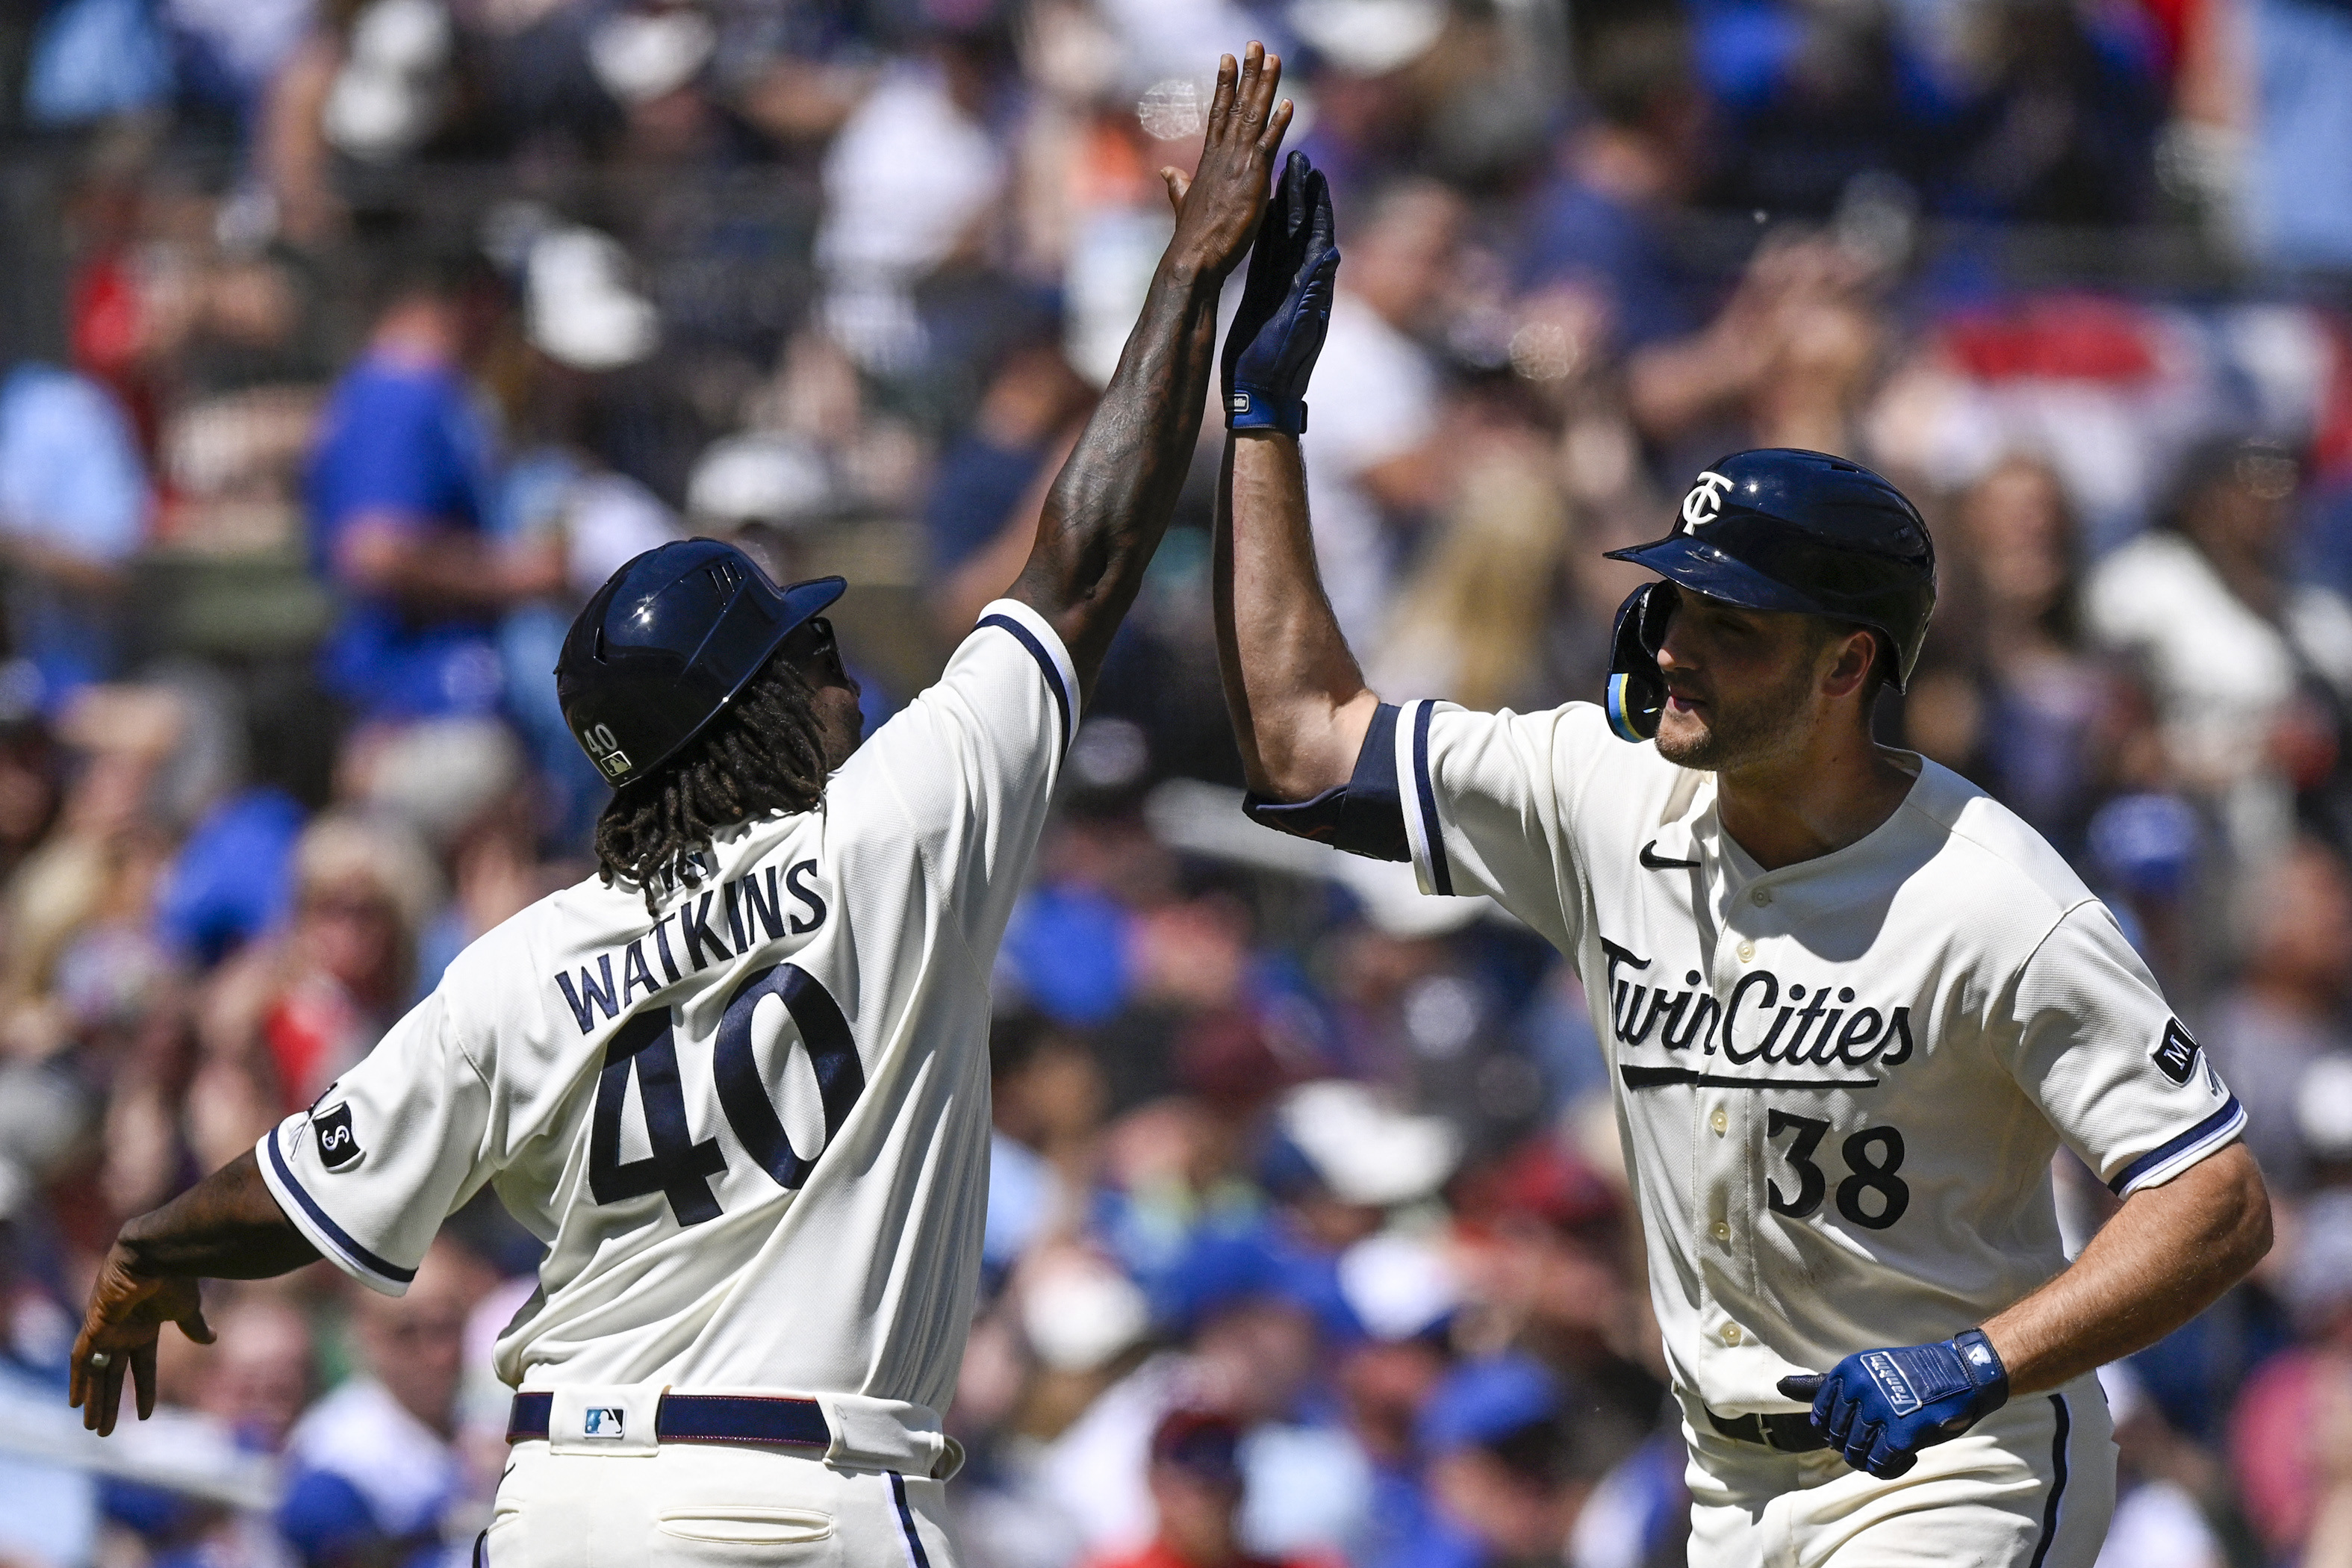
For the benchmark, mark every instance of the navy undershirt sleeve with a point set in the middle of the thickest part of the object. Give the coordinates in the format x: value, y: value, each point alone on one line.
x: 1364, y: 817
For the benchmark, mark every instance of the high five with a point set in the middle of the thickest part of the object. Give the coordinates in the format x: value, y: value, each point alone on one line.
x: 737, y: 1083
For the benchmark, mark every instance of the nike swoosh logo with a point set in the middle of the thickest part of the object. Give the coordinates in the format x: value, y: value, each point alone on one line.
x: 1650, y: 861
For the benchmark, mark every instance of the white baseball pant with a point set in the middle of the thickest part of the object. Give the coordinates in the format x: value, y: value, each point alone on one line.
x: 707, y: 1505
x: 2031, y: 1486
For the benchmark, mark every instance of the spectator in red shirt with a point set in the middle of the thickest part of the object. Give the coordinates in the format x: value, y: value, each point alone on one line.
x: 1196, y: 1485
x: 2294, y: 1405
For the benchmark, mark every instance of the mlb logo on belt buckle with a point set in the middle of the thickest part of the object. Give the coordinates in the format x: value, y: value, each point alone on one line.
x: 609, y: 1420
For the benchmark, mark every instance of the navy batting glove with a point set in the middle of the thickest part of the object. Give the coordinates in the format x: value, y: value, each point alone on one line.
x: 1286, y: 305
x: 1881, y: 1407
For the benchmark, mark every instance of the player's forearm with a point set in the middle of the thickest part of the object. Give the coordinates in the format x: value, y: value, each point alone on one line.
x: 2165, y: 1257
x: 1297, y: 696
x: 226, y: 1226
x: 1108, y: 509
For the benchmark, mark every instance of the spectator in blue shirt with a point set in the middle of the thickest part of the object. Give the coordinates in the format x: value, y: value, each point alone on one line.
x: 74, y: 501
x: 1599, y: 226
x: 1497, y: 1453
x: 398, y: 490
x: 373, y: 1474
x: 1597, y: 241
x: 232, y: 880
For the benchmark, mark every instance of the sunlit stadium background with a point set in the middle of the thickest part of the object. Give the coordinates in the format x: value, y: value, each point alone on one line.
x: 544, y: 282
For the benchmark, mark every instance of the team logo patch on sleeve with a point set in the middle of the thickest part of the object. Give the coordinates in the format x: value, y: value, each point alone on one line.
x: 338, y: 1145
x: 2175, y: 1054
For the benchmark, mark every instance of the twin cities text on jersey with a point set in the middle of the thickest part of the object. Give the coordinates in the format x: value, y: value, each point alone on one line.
x: 707, y: 927
x: 1765, y: 1018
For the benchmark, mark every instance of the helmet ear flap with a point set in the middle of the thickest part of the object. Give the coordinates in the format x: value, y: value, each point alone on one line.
x: 1637, y: 690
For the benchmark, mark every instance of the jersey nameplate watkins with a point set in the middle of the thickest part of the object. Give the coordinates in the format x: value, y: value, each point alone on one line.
x: 751, y: 909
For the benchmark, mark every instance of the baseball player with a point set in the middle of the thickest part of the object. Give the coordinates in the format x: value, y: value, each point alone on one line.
x: 737, y: 1083
x: 1852, y: 1005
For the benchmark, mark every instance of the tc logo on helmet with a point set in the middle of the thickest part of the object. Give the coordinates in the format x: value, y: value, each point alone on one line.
x: 1705, y: 503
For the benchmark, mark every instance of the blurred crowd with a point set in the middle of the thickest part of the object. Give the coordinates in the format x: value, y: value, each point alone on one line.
x: 349, y: 345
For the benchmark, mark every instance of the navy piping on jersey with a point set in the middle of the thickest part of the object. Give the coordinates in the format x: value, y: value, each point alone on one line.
x: 337, y: 1233
x: 1440, y: 877
x: 2058, y: 1481
x: 907, y: 1522
x: 2222, y: 1121
x: 1044, y: 662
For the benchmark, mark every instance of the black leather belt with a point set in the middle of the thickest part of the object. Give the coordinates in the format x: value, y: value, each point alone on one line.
x: 701, y: 1419
x: 1791, y: 1434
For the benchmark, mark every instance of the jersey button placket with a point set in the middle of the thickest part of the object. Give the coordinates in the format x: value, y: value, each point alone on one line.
x: 1718, y: 1116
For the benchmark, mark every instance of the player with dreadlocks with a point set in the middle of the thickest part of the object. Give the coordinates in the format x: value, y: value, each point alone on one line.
x: 768, y: 752
x: 737, y: 1083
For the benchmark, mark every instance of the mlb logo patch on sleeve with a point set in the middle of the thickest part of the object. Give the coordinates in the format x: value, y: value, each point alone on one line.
x: 338, y: 1145
x: 2175, y: 1054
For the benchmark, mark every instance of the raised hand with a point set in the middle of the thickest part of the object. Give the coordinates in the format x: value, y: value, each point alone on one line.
x: 1286, y: 306
x: 1217, y: 208
x: 127, y: 1314
x: 1107, y: 509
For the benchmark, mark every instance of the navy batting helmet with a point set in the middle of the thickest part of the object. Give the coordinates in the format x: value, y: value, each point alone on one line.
x: 665, y: 645
x: 1778, y: 529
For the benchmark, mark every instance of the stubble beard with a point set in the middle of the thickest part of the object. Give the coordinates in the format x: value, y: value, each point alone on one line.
x: 1739, y: 734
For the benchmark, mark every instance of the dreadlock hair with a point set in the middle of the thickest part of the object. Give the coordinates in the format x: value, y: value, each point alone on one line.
x: 762, y: 756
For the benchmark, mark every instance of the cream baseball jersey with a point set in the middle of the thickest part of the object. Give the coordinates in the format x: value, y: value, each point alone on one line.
x: 1840, y: 1083
x: 751, y: 1126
